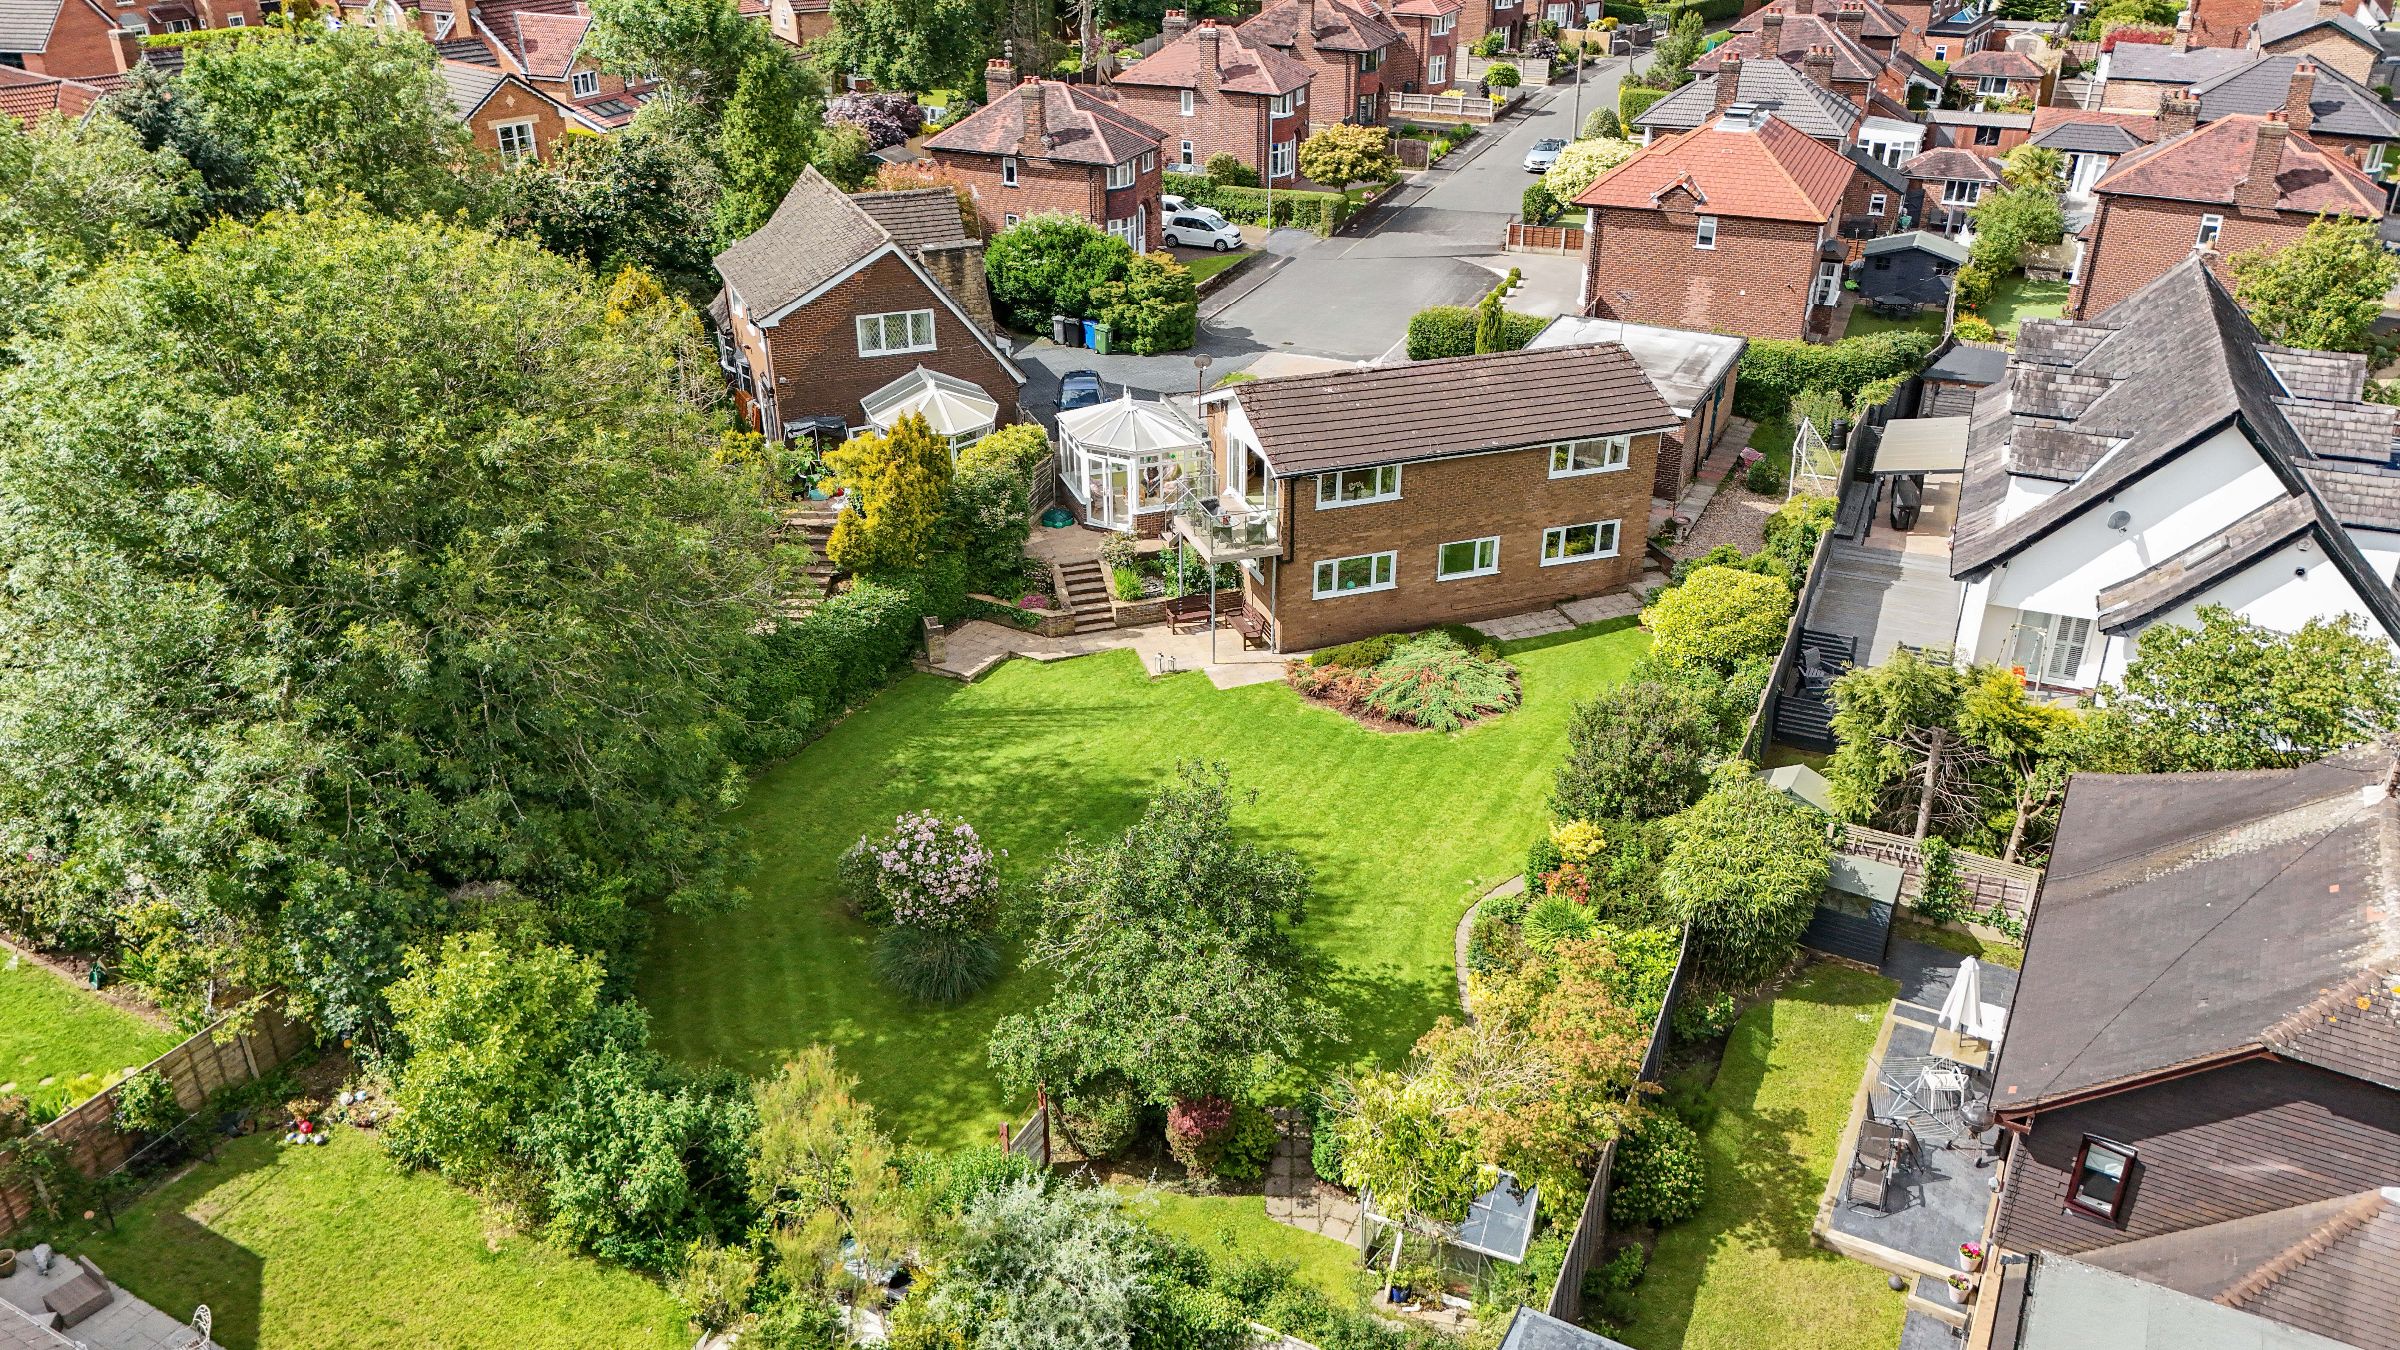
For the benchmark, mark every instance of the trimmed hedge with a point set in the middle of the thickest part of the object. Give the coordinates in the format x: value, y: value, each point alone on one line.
x: 1449, y: 330
x: 806, y: 673
x: 1323, y: 212
x: 1710, y: 11
x: 1774, y: 370
x: 1633, y: 100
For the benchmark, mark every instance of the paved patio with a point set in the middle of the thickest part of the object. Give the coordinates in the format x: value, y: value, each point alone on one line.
x: 1940, y: 1200
x: 126, y: 1323
x: 1295, y: 1195
x: 973, y: 648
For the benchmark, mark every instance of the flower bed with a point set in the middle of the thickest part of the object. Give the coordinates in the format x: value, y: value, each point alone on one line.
x: 1440, y: 680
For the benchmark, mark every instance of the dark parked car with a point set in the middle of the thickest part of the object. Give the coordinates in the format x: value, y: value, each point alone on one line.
x: 1079, y: 389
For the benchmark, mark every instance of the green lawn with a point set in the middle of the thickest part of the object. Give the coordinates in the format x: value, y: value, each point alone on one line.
x: 1404, y: 831
x: 1208, y: 265
x: 1222, y: 1225
x: 1774, y: 439
x: 52, y: 1033
x: 2017, y: 298
x: 1864, y: 321
x: 293, y: 1249
x: 1743, y: 1273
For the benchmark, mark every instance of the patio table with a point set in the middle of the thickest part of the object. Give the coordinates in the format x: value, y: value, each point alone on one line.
x: 1964, y: 1051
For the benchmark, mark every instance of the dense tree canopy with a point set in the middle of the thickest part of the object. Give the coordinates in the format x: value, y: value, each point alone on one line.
x: 2324, y: 290
x: 640, y: 198
x: 916, y: 45
x: 351, y: 562
x: 2230, y: 694
x: 70, y: 192
x: 1747, y: 867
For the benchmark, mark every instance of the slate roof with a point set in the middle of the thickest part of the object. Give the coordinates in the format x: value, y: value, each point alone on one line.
x: 2142, y: 597
x: 1966, y: 363
x: 1340, y: 26
x: 1952, y: 162
x: 2331, y: 1267
x: 1531, y: 1329
x: 2210, y: 164
x: 2071, y: 1303
x: 469, y: 86
x: 25, y: 24
x: 1999, y: 62
x: 1770, y: 86
x: 472, y: 50
x: 814, y: 236
x: 1975, y: 117
x: 1772, y: 171
x: 2290, y: 22
x: 2082, y: 129
x: 26, y: 96
x: 1921, y: 241
x: 1876, y: 21
x: 916, y: 217
x: 2188, y: 918
x: 1464, y: 405
x: 1244, y: 65
x: 1888, y: 175
x: 2359, y: 495
x: 1852, y: 60
x: 2157, y: 63
x: 1082, y: 127
x: 2337, y: 104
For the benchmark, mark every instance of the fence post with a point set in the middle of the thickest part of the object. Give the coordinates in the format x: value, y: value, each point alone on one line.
x: 1041, y: 1104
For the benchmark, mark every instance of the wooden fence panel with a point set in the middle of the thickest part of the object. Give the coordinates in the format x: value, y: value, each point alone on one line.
x: 1523, y: 238
x: 1591, y: 1230
x: 1986, y: 880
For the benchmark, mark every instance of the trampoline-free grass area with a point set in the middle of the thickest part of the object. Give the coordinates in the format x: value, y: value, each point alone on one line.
x: 53, y: 1033
x: 1404, y: 832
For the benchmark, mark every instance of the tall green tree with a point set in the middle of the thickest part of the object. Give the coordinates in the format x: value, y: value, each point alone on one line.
x: 696, y: 48
x: 2230, y: 694
x: 155, y: 107
x: 765, y: 135
x: 71, y: 193
x: 2024, y: 738
x: 1177, y: 971
x: 312, y: 114
x: 2323, y: 290
x: 917, y: 45
x: 1900, y: 748
x: 1636, y: 751
x: 1746, y: 869
x: 898, y: 488
x: 640, y: 198
x: 350, y: 562
x: 1671, y: 59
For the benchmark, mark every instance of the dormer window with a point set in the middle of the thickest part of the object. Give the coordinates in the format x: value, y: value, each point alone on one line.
x: 585, y: 83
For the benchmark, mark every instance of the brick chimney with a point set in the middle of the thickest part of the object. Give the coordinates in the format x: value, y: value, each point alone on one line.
x: 1208, y: 35
x: 1818, y: 66
x: 2178, y: 113
x: 1804, y: 6
x: 1770, y: 32
x: 1729, y: 83
x: 1174, y: 25
x: 1851, y: 19
x: 2182, y: 41
x: 998, y: 78
x: 1034, y: 97
x: 2295, y: 103
x: 2258, y: 191
x: 1304, y: 30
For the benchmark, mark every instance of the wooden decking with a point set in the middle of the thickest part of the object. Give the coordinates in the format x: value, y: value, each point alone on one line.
x: 1888, y: 588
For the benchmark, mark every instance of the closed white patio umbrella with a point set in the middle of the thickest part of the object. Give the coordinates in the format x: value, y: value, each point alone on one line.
x: 1965, y: 1012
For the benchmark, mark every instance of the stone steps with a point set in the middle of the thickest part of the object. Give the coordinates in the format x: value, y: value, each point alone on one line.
x: 1086, y: 593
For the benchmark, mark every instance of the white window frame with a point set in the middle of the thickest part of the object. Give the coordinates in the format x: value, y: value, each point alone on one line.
x: 1008, y: 220
x: 1184, y: 155
x: 583, y: 83
x: 1444, y: 25
x: 1149, y: 160
x: 1383, y: 481
x: 1121, y: 175
x: 1486, y: 558
x: 2044, y: 629
x: 1941, y: 52
x: 1437, y: 70
x: 2212, y: 228
x: 916, y: 329
x: 1876, y: 202
x: 1992, y: 86
x: 1123, y: 227
x: 1284, y: 105
x: 1279, y: 160
x: 1008, y: 171
x: 1554, y: 542
x: 1184, y: 102
x: 1704, y: 233
x: 1381, y: 571
x: 505, y: 132
x: 236, y: 21
x: 1961, y: 192
x: 1616, y: 455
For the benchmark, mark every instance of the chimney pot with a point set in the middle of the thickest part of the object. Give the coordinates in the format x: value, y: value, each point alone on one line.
x: 1174, y: 24
x: 1770, y: 33
x: 1851, y: 20
x: 998, y: 78
x: 1818, y: 65
x: 2178, y: 113
x: 2258, y: 190
x: 2296, y: 100
x: 1729, y: 82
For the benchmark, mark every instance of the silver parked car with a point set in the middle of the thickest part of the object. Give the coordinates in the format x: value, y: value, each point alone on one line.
x: 1543, y: 154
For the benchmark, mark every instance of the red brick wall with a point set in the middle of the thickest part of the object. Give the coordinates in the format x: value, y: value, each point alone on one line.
x: 1858, y: 200
x: 2351, y: 148
x: 510, y: 103
x: 2224, y: 23
x: 82, y: 44
x: 1406, y: 62
x: 1640, y: 266
x: 1510, y: 495
x: 813, y: 352
x: 564, y: 90
x: 2134, y: 240
x: 798, y: 27
x: 1047, y: 185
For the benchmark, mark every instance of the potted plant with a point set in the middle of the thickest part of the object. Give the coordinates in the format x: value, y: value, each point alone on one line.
x: 1962, y: 1287
x: 1970, y: 1255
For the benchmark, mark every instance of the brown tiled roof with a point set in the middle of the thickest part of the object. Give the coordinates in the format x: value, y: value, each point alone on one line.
x: 1948, y: 163
x: 539, y: 35
x: 2144, y: 126
x: 1244, y: 65
x: 1771, y: 172
x: 2210, y: 164
x: 1876, y: 22
x: 817, y: 234
x: 26, y: 96
x: 1465, y: 405
x: 1341, y: 26
x: 915, y: 217
x: 1999, y: 62
x: 2191, y: 917
x: 1084, y: 127
x: 1428, y: 9
x: 2331, y: 1267
x: 1852, y: 61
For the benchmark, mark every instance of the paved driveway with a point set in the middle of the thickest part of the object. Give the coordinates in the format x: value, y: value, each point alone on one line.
x: 1435, y: 243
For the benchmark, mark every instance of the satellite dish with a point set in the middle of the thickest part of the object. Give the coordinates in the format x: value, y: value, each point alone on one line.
x: 2118, y: 520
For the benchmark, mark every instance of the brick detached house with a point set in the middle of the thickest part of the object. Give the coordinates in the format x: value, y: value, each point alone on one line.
x: 72, y: 39
x: 2199, y: 1088
x: 1426, y: 60
x: 1345, y: 45
x: 2239, y: 183
x: 800, y: 22
x: 2334, y: 111
x: 1944, y: 184
x: 1941, y: 30
x: 1875, y: 81
x: 1046, y: 146
x: 1376, y: 499
x: 837, y: 298
x: 510, y: 118
x: 1730, y: 228
x: 1220, y: 91
x: 2321, y: 32
x: 2004, y: 75
x: 540, y: 43
x: 1478, y: 17
x: 2091, y: 142
x: 28, y: 97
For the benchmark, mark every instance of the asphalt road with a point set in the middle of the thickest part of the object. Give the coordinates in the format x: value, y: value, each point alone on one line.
x: 1436, y: 243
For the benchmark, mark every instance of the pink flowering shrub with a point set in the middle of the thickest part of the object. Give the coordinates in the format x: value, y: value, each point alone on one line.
x: 924, y: 873
x: 887, y: 119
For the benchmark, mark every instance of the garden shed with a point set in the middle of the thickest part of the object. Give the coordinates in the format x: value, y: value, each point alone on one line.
x: 957, y: 410
x: 1499, y: 1222
x: 1126, y: 459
